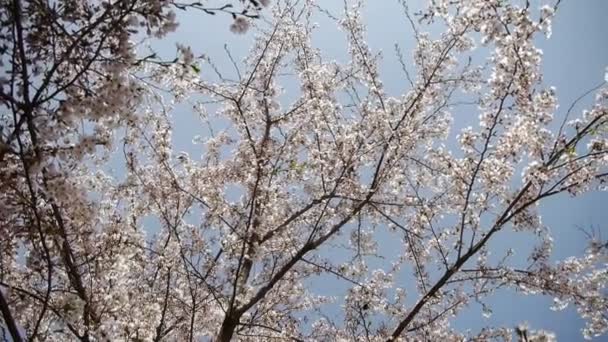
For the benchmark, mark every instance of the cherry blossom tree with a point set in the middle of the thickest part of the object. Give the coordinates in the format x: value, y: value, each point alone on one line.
x: 224, y: 246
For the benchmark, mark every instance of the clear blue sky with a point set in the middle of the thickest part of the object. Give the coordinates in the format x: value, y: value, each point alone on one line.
x: 575, y: 59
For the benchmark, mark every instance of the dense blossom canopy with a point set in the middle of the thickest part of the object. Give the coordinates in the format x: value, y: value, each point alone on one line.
x: 224, y: 245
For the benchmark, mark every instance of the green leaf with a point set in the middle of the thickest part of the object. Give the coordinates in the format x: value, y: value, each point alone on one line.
x: 571, y: 150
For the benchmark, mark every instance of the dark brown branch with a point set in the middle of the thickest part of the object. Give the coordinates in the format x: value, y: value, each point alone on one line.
x: 8, y: 319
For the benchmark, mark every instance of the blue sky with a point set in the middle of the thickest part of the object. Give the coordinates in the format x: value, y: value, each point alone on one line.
x: 575, y: 59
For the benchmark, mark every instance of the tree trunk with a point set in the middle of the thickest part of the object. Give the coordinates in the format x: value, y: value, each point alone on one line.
x: 227, y: 329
